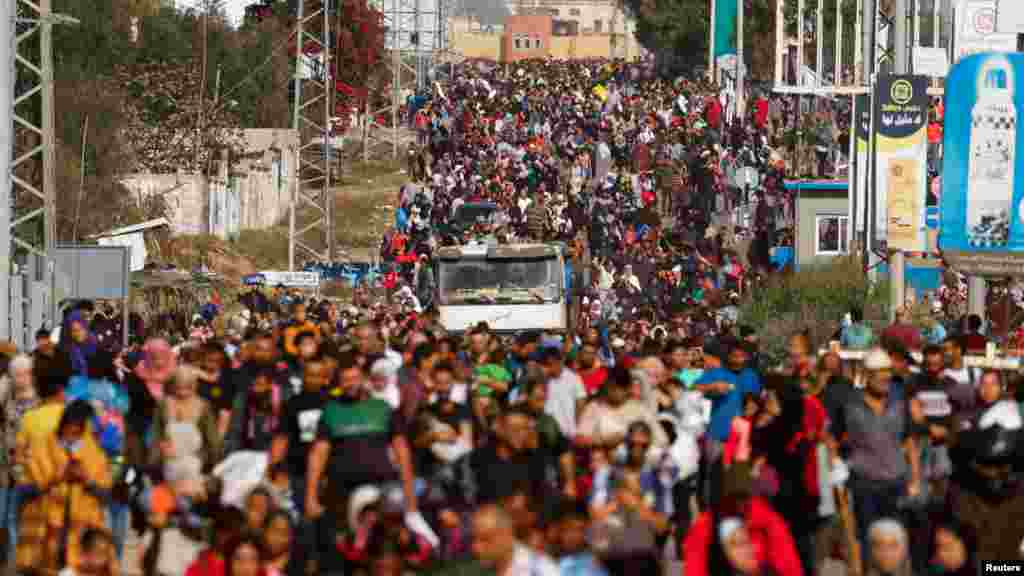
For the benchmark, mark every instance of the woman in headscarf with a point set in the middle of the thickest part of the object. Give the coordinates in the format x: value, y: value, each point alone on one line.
x: 781, y: 439
x: 145, y: 387
x: 77, y: 343
x: 735, y: 552
x: 72, y: 477
x: 890, y: 555
x: 157, y: 366
x: 714, y: 545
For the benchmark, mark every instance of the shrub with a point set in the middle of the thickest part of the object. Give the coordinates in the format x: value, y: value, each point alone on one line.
x: 813, y: 299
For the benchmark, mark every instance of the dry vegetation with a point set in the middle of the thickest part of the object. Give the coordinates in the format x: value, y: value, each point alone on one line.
x: 364, y: 210
x: 813, y: 299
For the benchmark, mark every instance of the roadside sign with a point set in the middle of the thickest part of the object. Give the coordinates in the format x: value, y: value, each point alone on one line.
x: 931, y: 61
x: 291, y: 279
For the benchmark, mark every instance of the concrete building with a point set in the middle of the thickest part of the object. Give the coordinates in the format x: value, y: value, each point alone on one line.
x: 536, y: 35
x: 253, y: 192
x: 822, y: 220
x: 525, y: 37
x: 589, y: 16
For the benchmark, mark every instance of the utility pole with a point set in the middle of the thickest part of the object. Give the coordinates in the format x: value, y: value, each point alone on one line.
x: 396, y: 87
x: 366, y: 129
x: 330, y: 89
x: 300, y: 63
x: 202, y: 167
x: 8, y: 50
x: 312, y: 205
x: 780, y: 43
x: 81, y: 181
x: 49, y: 130
x: 36, y: 201
x: 711, y: 40
x: 819, y: 55
x: 901, y: 38
x: 740, y: 98
x: 837, y: 70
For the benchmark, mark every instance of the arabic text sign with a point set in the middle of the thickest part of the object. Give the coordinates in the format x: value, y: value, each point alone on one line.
x: 901, y: 150
x: 292, y: 279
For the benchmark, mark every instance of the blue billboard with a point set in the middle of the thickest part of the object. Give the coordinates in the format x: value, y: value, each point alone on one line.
x: 981, y: 229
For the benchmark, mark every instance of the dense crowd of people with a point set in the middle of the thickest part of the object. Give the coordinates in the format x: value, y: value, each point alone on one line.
x: 288, y: 435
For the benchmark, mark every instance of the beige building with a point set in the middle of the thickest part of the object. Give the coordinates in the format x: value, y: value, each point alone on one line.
x: 572, y: 29
x: 589, y: 16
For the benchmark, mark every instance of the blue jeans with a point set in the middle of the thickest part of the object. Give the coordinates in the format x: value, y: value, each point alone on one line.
x: 117, y: 514
x: 873, y: 500
x: 306, y: 530
x: 6, y: 498
x: 11, y: 500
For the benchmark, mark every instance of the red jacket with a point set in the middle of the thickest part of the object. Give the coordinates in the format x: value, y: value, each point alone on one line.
x: 593, y: 380
x: 761, y: 112
x: 714, y: 113
x: 209, y: 563
x: 768, y: 533
x: 814, y: 425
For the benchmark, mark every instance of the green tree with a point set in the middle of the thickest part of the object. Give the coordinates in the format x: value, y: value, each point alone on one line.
x: 676, y: 31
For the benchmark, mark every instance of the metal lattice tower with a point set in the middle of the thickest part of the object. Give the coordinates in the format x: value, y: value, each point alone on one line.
x: 311, y: 211
x: 417, y: 39
x: 28, y: 222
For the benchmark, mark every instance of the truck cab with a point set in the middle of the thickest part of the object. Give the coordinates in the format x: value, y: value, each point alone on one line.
x: 511, y: 287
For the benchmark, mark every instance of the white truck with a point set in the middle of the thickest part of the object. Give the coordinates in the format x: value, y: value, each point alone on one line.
x: 511, y: 287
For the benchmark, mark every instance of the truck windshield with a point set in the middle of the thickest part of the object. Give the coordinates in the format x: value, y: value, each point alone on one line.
x: 469, y: 214
x: 500, y: 281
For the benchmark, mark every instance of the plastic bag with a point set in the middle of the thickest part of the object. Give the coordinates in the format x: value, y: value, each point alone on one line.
x: 240, y: 473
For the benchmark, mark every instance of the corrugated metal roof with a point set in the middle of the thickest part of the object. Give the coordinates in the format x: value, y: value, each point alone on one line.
x: 141, y: 227
x: 502, y: 251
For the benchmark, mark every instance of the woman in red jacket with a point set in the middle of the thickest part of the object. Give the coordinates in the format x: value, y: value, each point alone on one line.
x: 740, y: 534
x: 226, y: 529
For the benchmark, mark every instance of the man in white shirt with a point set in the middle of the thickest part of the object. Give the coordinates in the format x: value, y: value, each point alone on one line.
x: 566, y: 393
x: 495, y: 546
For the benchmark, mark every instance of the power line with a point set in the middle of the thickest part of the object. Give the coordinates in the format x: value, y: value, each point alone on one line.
x: 254, y: 72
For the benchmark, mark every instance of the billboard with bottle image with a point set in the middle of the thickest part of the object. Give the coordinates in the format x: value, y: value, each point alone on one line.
x: 982, y: 201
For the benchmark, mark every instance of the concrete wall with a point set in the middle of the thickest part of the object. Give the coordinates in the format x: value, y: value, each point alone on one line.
x: 810, y: 205
x: 470, y: 40
x: 476, y: 44
x: 593, y: 46
x: 181, y: 192
x: 253, y: 194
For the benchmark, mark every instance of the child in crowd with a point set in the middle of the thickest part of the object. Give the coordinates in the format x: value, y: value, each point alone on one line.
x: 98, y: 556
x: 374, y: 517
